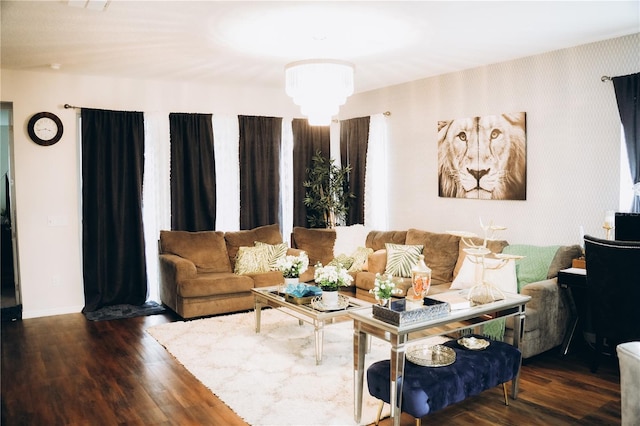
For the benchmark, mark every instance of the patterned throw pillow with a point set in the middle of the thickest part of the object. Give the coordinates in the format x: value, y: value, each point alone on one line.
x: 252, y: 260
x: 275, y: 252
x: 401, y: 258
x: 342, y: 260
x: 360, y: 258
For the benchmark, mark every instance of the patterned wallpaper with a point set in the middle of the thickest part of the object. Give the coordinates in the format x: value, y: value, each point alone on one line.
x: 573, y: 141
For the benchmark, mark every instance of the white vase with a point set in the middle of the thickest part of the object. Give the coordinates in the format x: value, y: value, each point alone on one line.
x: 330, y: 298
x: 293, y: 281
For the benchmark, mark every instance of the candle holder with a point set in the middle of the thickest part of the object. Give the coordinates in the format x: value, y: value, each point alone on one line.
x: 483, y: 291
x: 609, y: 223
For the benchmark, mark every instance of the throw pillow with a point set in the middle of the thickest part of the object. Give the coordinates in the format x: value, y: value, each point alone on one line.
x: 401, y: 258
x: 252, y: 260
x: 342, y: 260
x: 535, y: 265
x: 348, y: 238
x: 504, y: 278
x: 495, y: 246
x: 269, y: 234
x: 275, y: 252
x: 360, y: 258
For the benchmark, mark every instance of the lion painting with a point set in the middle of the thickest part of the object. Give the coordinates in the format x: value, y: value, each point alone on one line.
x: 483, y: 157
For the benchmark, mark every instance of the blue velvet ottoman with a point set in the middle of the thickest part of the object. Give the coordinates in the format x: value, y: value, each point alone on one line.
x: 428, y: 389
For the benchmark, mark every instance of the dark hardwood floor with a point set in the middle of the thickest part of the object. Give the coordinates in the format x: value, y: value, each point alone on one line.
x: 65, y: 370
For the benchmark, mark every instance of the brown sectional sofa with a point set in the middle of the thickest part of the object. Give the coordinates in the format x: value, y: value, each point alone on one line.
x: 546, y: 314
x: 196, y: 270
x: 197, y: 278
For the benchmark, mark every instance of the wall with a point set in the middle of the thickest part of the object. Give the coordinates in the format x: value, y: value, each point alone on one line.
x: 573, y: 141
x: 572, y: 128
x: 47, y: 178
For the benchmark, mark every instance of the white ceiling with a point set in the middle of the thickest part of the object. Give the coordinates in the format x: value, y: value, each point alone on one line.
x: 249, y: 43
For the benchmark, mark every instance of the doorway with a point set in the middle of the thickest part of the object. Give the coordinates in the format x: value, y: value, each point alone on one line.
x: 10, y: 301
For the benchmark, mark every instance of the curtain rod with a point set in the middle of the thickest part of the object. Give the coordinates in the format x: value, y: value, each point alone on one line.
x: 605, y: 78
x: 67, y: 106
x: 386, y: 114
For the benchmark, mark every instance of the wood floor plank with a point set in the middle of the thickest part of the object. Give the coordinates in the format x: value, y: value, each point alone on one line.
x: 67, y: 370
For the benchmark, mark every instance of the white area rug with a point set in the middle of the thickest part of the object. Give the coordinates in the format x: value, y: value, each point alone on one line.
x: 271, y: 378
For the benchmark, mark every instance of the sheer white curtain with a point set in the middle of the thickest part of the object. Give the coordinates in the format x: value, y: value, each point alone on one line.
x: 376, y: 195
x: 226, y: 146
x: 156, y: 193
x: 286, y: 179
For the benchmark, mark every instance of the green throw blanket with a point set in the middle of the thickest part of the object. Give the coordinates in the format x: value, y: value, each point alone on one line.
x: 535, y: 264
x: 530, y: 269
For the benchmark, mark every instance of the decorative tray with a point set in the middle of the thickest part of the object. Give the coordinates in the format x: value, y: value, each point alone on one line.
x: 298, y: 300
x: 318, y: 304
x: 401, y: 313
x: 473, y: 343
x: 431, y: 356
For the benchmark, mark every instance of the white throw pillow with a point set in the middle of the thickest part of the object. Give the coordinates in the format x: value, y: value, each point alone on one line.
x: 503, y: 278
x: 349, y: 238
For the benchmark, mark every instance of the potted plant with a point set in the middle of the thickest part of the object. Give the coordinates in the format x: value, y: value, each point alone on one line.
x: 292, y: 266
x: 330, y: 278
x: 327, y: 197
x: 384, y: 288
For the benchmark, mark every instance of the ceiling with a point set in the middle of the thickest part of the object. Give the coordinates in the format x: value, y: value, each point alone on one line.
x: 249, y: 43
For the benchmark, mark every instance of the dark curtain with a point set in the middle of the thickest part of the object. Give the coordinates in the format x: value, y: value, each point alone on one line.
x: 354, y: 139
x: 260, y: 141
x: 113, y: 255
x: 306, y: 141
x: 627, y: 90
x: 193, y: 172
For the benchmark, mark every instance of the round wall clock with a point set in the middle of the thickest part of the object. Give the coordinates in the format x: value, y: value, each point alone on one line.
x: 45, y: 128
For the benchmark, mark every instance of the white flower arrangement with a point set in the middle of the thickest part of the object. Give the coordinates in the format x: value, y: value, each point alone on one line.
x: 332, y: 277
x: 293, y: 266
x: 384, y: 287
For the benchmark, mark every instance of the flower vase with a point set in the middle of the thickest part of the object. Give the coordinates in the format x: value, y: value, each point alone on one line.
x: 385, y: 303
x: 287, y: 281
x: 330, y: 298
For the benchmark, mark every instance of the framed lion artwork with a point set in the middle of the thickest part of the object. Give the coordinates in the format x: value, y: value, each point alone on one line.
x: 483, y: 157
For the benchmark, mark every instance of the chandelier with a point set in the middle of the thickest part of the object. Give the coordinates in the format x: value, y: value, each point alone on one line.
x: 319, y: 87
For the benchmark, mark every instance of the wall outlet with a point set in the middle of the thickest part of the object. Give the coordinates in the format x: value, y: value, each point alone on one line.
x: 56, y: 281
x: 57, y: 221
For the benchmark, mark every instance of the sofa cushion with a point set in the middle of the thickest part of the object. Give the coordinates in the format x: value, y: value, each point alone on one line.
x: 377, y: 239
x: 496, y: 246
x: 206, y: 249
x: 440, y: 253
x: 212, y: 284
x: 401, y: 258
x: 252, y: 260
x: 269, y: 234
x: 317, y: 242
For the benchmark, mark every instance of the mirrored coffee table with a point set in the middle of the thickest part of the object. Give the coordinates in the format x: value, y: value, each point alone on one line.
x: 318, y: 318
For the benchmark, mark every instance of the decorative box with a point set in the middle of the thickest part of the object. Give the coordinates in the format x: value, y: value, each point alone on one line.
x: 400, y: 314
x: 298, y: 300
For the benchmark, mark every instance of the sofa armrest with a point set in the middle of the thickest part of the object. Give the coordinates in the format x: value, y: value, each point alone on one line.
x: 548, y: 312
x: 175, y: 268
x: 544, y: 294
x: 377, y: 262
